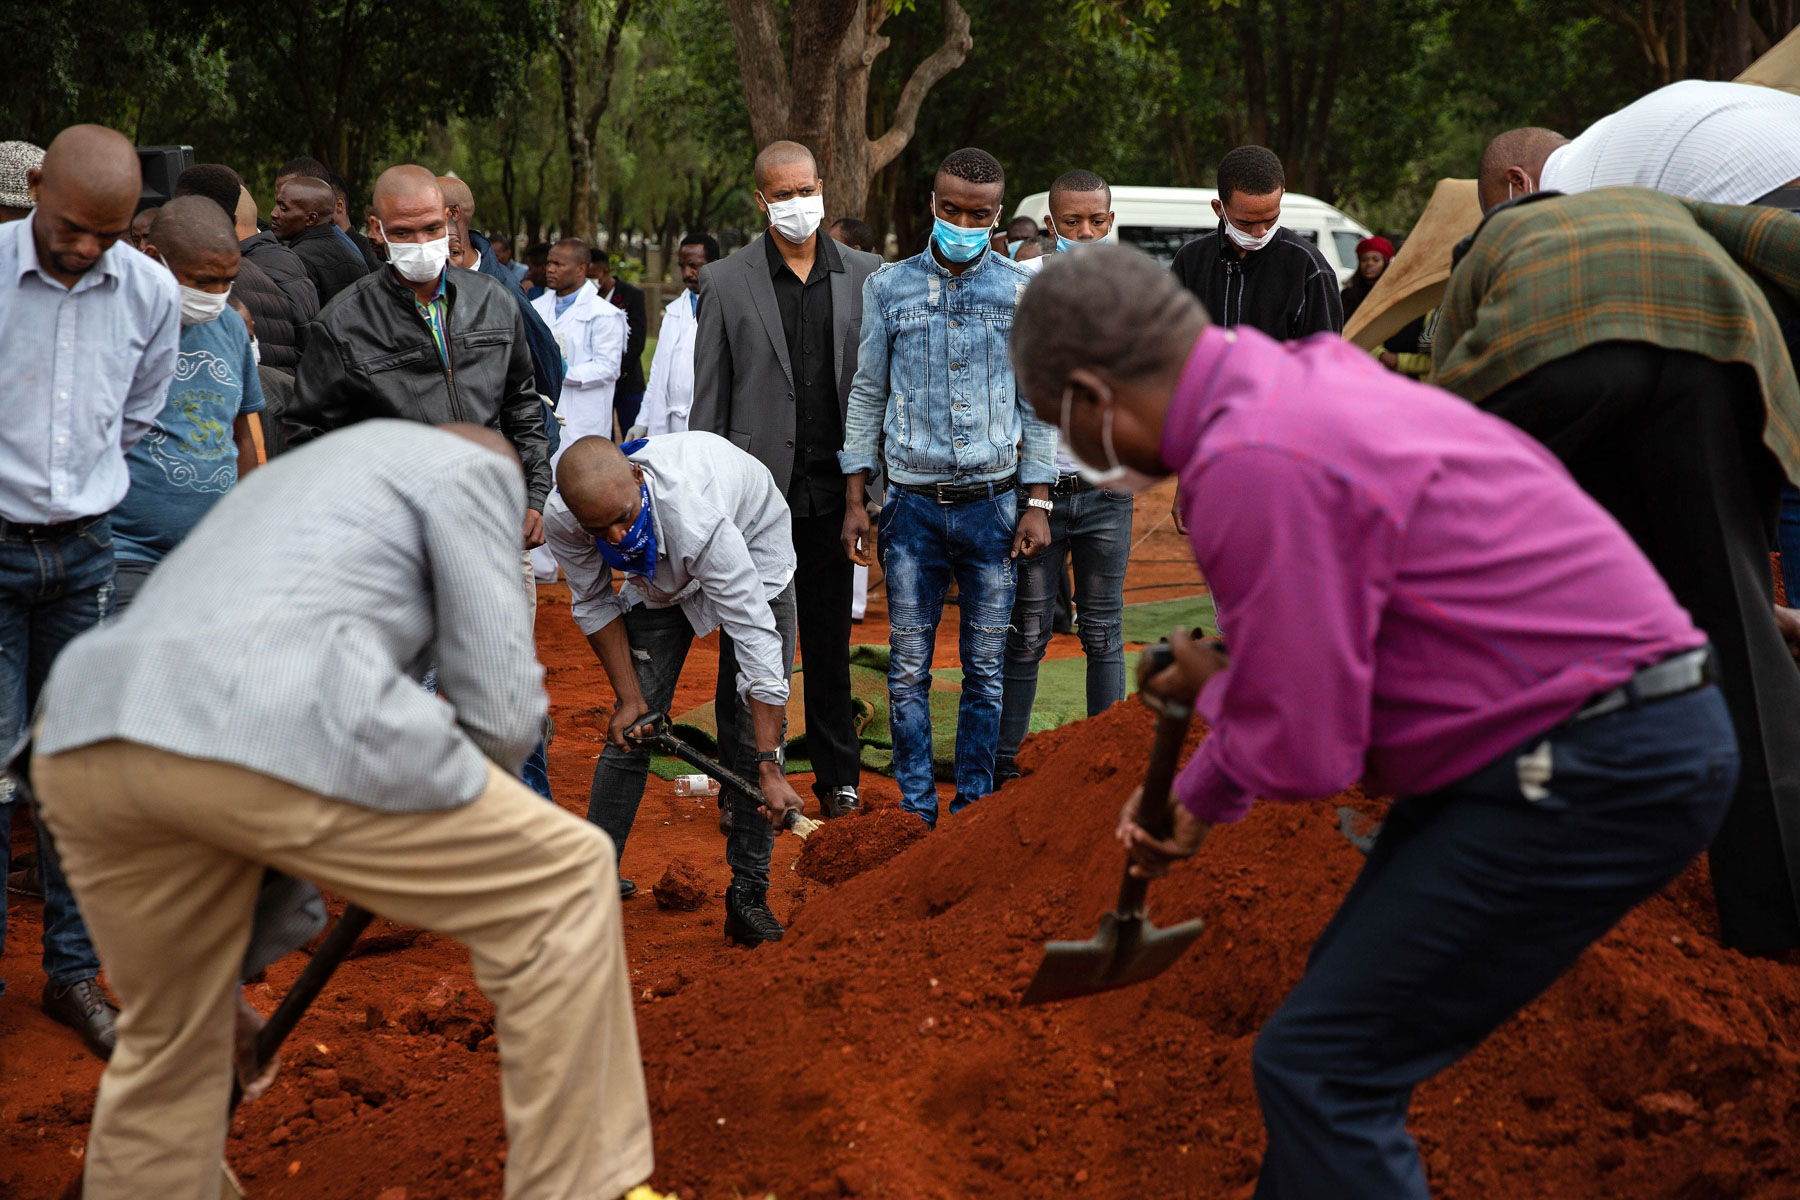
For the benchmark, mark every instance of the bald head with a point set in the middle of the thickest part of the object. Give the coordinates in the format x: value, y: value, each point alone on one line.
x: 246, y: 214
x: 600, y: 486
x: 191, y: 229
x: 1513, y: 164
x: 87, y: 189
x: 301, y: 202
x: 780, y: 157
x: 457, y: 195
x: 406, y: 184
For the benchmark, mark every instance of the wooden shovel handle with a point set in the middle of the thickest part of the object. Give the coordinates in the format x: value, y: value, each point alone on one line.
x: 1154, y: 815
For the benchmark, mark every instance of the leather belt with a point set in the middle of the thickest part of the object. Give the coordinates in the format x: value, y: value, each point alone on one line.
x: 960, y: 493
x: 1069, y: 485
x: 48, y: 533
x: 1686, y: 672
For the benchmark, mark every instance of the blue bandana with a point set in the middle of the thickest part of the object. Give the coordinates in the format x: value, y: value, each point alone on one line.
x: 636, y: 551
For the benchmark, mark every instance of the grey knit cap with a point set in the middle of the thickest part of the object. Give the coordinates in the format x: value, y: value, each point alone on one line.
x: 16, y: 158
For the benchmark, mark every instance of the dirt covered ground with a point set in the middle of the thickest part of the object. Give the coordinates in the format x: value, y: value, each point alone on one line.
x: 879, y: 1050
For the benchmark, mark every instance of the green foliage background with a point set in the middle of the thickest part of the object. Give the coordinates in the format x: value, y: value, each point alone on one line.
x: 1368, y: 101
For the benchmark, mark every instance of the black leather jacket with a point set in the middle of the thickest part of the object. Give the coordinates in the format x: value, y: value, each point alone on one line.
x: 370, y: 354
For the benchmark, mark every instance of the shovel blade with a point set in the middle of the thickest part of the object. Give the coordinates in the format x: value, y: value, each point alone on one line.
x: 1125, y: 951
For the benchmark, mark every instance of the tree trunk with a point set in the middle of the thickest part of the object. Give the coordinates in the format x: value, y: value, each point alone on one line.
x: 581, y: 117
x: 821, y: 98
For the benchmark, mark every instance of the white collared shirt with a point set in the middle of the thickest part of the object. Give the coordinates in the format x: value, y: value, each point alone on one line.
x: 1727, y: 143
x: 83, y: 373
x: 669, y: 396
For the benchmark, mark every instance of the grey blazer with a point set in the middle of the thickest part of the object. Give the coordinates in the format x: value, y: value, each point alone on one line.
x: 743, y: 382
x: 287, y: 633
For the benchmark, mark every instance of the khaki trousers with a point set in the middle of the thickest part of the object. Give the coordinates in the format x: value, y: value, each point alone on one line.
x: 165, y: 854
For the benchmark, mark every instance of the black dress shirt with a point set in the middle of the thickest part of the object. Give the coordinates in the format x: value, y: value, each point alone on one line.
x: 817, y: 486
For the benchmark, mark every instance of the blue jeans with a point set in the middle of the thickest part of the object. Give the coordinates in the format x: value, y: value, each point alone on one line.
x: 660, y: 638
x: 1473, y: 900
x: 50, y: 591
x: 923, y: 546
x: 1790, y: 543
x: 1091, y: 529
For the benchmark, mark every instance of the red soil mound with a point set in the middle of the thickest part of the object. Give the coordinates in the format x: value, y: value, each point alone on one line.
x: 845, y: 848
x: 879, y: 1049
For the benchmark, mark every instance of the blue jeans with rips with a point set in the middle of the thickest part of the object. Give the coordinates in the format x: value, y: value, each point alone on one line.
x: 923, y: 546
x: 1091, y: 530
x: 50, y: 590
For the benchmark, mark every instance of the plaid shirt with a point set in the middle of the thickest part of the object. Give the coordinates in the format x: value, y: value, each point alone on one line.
x: 1625, y: 264
x: 436, y: 314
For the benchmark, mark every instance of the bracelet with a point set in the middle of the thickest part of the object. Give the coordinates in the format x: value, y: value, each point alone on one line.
x: 1046, y: 505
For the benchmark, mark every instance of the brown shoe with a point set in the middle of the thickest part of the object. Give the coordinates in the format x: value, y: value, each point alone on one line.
x: 86, y: 1008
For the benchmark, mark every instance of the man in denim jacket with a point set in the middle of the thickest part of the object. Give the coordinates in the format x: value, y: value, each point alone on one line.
x: 934, y: 389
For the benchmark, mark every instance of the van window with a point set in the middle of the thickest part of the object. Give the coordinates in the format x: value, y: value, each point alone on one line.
x: 1159, y: 241
x: 1346, y: 244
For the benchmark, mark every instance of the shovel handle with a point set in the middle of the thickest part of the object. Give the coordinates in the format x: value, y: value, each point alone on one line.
x: 1154, y: 816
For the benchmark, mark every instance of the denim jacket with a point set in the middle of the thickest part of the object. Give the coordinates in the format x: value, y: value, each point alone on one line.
x: 934, y: 386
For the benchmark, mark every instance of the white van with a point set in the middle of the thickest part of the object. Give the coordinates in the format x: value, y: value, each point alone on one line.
x: 1161, y: 220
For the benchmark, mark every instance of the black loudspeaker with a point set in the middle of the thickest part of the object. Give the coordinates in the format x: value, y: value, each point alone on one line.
x: 162, y: 166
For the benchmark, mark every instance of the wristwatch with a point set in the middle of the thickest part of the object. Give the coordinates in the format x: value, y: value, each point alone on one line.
x: 779, y: 757
x: 1046, y: 505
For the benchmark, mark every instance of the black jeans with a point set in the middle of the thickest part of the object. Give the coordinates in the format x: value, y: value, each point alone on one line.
x: 822, y: 586
x: 1670, y: 444
x: 660, y: 638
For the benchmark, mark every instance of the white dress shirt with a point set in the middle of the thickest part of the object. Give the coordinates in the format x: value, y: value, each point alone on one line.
x: 1727, y: 143
x: 83, y: 373
x: 592, y: 335
x: 724, y: 549
x: 670, y: 393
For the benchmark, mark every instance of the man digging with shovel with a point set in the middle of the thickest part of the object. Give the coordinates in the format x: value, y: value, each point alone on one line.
x: 1424, y: 600
x: 699, y: 532
x: 172, y: 773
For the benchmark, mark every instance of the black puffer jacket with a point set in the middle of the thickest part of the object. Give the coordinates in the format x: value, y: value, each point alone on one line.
x: 274, y: 286
x: 370, y: 354
x: 331, y: 261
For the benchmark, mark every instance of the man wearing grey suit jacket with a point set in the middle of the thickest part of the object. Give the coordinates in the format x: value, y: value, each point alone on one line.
x: 774, y: 358
x: 257, y: 707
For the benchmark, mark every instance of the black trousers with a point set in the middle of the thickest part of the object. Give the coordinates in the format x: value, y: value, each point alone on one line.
x: 822, y: 583
x: 1670, y: 443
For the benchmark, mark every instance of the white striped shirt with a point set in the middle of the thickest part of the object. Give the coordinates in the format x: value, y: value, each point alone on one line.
x: 1728, y: 143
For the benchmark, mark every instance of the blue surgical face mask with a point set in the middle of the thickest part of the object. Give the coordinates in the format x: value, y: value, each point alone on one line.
x: 958, y: 244
x: 636, y: 551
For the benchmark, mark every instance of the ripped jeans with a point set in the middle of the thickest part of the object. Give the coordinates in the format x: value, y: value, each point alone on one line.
x: 1091, y: 530
x: 923, y: 546
x: 51, y: 590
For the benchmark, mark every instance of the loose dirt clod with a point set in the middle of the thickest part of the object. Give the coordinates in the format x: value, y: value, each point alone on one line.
x: 681, y: 888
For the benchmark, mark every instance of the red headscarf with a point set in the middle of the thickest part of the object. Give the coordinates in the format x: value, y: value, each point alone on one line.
x: 1376, y: 243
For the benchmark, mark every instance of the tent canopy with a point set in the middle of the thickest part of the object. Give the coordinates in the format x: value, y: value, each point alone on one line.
x: 1779, y: 68
x: 1414, y: 282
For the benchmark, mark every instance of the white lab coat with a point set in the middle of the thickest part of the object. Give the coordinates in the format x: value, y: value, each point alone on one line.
x: 670, y: 393
x: 592, y: 335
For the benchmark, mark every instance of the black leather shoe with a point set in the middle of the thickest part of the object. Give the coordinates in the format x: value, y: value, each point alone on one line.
x: 86, y: 1008
x: 748, y: 921
x: 840, y: 801
x: 627, y: 889
x: 1004, y: 772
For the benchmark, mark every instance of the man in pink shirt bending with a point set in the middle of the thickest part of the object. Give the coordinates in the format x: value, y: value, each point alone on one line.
x: 1424, y: 600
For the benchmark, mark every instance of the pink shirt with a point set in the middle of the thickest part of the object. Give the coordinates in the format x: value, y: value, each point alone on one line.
x: 1415, y: 587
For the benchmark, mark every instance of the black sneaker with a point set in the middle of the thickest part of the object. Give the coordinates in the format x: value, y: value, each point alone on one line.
x: 627, y: 889
x: 840, y: 801
x: 1004, y: 772
x: 86, y: 1008
x: 748, y: 921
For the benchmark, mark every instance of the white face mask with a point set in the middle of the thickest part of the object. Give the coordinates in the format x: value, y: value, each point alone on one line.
x: 255, y: 351
x: 1247, y: 241
x: 417, y: 262
x: 198, y: 307
x: 1116, y: 476
x: 1509, y: 188
x: 796, y: 219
